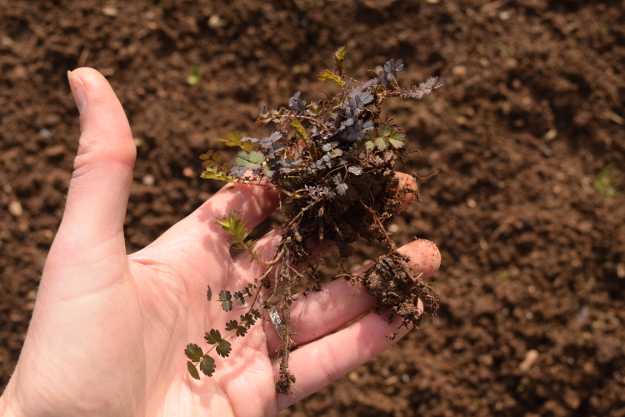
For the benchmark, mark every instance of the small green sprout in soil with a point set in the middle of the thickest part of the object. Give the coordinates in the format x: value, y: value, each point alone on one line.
x: 196, y: 73
x: 333, y: 161
x: 604, y: 183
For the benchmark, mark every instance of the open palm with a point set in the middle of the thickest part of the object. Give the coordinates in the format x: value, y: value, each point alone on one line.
x: 108, y: 331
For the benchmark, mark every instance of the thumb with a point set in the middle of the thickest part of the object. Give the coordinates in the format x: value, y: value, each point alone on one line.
x: 98, y: 193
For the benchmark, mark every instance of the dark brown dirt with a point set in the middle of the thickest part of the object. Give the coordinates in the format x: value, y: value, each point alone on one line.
x: 533, y: 276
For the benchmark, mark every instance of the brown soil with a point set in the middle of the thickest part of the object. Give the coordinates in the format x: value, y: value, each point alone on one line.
x: 533, y: 276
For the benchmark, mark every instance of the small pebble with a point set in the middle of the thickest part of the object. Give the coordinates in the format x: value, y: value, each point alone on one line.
x: 215, y: 22
x: 109, y: 11
x: 148, y: 180
x: 15, y: 208
x: 530, y: 358
x: 45, y: 133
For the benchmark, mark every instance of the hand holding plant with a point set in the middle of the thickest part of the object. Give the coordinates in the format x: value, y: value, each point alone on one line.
x: 108, y: 330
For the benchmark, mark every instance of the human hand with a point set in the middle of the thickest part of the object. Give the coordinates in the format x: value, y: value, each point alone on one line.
x: 108, y: 330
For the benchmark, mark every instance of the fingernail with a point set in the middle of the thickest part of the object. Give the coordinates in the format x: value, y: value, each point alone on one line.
x: 78, y: 91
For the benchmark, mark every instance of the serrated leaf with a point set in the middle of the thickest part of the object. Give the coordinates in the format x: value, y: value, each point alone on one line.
x: 299, y: 129
x: 231, y: 139
x: 339, y: 57
x: 384, y: 130
x: 224, y: 348
x: 231, y: 325
x: 226, y: 306
x: 241, y: 331
x: 396, y: 139
x: 248, y: 319
x: 213, y: 337
x: 251, y: 160
x: 330, y: 75
x: 269, y: 141
x: 207, y: 366
x: 356, y: 170
x: 239, y: 297
x: 396, y: 143
x: 398, y: 136
x: 225, y: 295
x: 193, y: 352
x: 341, y: 189
x: 215, y: 173
x: 209, y: 293
x: 381, y: 144
x: 193, y: 370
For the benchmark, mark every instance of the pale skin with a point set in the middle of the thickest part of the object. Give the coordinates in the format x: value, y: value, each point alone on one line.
x: 108, y: 331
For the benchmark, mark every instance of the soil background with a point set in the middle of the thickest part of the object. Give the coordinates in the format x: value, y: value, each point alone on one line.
x: 511, y: 155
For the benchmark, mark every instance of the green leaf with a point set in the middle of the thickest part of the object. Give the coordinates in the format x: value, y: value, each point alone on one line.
x: 207, y: 366
x: 213, y: 337
x: 217, y: 173
x: 192, y: 80
x: 239, y: 297
x: 211, y: 157
x: 251, y: 160
x: 380, y: 143
x: 339, y: 57
x: 232, y: 325
x: 232, y: 139
x: 384, y: 130
x: 193, y: 370
x: 226, y: 299
x: 241, y: 331
x: 224, y: 348
x: 193, y: 352
x: 248, y: 320
x: 396, y: 139
x: 209, y: 293
x: 299, y: 129
x: 330, y: 75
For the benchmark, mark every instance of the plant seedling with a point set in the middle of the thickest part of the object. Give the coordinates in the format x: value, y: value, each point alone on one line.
x: 604, y: 183
x: 196, y: 73
x: 333, y: 160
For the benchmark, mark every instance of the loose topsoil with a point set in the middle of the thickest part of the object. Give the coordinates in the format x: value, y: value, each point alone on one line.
x: 511, y: 155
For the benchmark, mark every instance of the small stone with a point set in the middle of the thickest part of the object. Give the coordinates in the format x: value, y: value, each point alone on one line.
x: 109, y: 11
x: 530, y: 358
x: 215, y: 22
x: 551, y: 134
x: 459, y: 70
x: 15, y: 208
x: 45, y: 133
x: 148, y: 180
